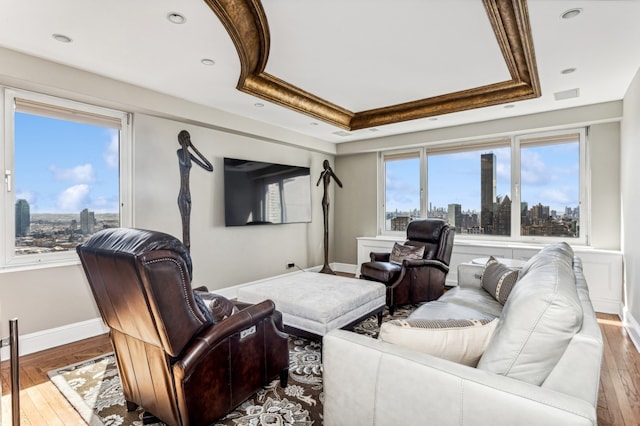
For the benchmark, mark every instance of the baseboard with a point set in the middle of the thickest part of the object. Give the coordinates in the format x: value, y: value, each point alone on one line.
x: 347, y: 268
x: 633, y: 328
x: 47, y: 339
x: 608, y: 306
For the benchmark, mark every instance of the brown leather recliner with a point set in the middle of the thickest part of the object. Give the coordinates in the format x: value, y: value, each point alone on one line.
x: 416, y: 280
x: 174, y: 362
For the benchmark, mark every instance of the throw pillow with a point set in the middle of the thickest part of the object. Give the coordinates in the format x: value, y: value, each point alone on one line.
x: 462, y: 341
x: 401, y: 252
x: 498, y: 280
x: 219, y: 307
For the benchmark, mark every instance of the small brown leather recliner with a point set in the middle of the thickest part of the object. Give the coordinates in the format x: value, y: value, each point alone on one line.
x: 415, y: 280
x: 173, y: 360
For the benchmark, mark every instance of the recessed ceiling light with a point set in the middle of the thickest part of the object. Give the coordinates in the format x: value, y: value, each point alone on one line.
x: 61, y: 38
x: 571, y: 13
x: 176, y: 18
x: 258, y: 105
x: 433, y: 119
x: 342, y: 133
x: 373, y: 129
x: 208, y: 62
x: 313, y: 124
x: 510, y: 106
x: 568, y: 71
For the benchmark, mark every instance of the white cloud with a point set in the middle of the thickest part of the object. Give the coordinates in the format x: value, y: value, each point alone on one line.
x: 73, y: 199
x: 26, y: 195
x: 79, y: 174
x: 559, y: 196
x: 110, y: 154
x: 533, y: 170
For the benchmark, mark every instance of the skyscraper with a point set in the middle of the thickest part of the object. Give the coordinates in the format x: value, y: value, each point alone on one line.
x: 87, y: 222
x: 23, y: 218
x: 487, y: 189
x: 454, y: 213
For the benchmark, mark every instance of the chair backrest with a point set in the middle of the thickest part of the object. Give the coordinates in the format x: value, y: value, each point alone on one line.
x: 141, y: 281
x: 436, y: 235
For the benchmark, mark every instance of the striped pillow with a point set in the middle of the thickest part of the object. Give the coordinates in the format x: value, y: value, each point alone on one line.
x: 498, y: 280
x: 458, y: 340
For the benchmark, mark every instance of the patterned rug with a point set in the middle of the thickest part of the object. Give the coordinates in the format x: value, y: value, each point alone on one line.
x: 93, y: 388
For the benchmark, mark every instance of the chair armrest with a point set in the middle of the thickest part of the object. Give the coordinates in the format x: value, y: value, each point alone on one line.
x: 237, y: 322
x: 379, y: 256
x: 418, y: 263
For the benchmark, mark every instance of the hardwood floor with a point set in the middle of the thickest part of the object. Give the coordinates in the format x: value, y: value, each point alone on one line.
x: 41, y: 404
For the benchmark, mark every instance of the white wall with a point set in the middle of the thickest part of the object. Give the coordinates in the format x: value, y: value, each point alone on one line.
x: 222, y: 256
x: 630, y: 176
x: 44, y: 299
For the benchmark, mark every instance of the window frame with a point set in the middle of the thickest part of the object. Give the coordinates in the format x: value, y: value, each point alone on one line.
x: 514, y: 142
x: 8, y: 258
x: 382, y: 185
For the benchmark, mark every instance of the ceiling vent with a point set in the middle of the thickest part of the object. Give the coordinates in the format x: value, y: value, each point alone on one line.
x: 567, y: 94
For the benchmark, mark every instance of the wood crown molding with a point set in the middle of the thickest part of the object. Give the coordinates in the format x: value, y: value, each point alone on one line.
x: 247, y: 25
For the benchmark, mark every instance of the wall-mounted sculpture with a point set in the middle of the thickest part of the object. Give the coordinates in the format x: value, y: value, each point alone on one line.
x: 326, y: 176
x: 184, y: 196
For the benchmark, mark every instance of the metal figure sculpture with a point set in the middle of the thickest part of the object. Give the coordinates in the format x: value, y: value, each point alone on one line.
x: 184, y: 196
x: 326, y: 176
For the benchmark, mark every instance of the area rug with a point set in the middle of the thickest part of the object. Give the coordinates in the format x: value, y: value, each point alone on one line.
x: 93, y: 388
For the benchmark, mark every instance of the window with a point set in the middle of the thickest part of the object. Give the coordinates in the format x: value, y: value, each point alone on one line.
x: 471, y: 188
x: 550, y: 185
x: 65, y: 172
x: 528, y: 187
x: 401, y: 190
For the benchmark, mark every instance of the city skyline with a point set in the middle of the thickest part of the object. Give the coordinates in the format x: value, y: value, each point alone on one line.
x: 549, y: 175
x: 77, y: 165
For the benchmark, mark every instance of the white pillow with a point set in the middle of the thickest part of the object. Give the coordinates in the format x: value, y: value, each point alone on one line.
x: 462, y: 341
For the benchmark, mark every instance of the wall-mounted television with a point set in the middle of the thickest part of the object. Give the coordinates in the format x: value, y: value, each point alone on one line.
x: 260, y: 193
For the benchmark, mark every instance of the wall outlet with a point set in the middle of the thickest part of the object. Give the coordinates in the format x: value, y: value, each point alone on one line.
x: 290, y: 265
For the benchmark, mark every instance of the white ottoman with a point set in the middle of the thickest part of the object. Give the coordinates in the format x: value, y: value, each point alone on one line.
x: 314, y: 304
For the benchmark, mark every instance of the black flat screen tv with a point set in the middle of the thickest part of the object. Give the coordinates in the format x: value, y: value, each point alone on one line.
x: 261, y: 193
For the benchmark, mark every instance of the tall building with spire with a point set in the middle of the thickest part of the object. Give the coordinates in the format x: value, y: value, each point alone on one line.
x: 487, y: 190
x: 23, y: 218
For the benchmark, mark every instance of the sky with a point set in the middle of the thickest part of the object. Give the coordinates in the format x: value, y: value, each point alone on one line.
x: 65, y: 167
x: 549, y: 175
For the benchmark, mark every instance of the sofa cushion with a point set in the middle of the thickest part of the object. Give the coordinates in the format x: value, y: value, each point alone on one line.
x: 445, y: 330
x: 475, y: 298
x: 498, y: 279
x: 401, y: 252
x: 539, y: 319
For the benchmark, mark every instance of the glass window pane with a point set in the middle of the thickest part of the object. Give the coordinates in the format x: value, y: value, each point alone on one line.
x: 66, y: 182
x: 550, y: 176
x: 402, y: 192
x: 472, y: 190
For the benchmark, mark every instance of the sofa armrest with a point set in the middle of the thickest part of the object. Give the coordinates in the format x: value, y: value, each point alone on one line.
x: 470, y: 275
x: 367, y: 382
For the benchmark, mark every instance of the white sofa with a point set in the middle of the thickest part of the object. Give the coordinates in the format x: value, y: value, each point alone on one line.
x: 541, y: 365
